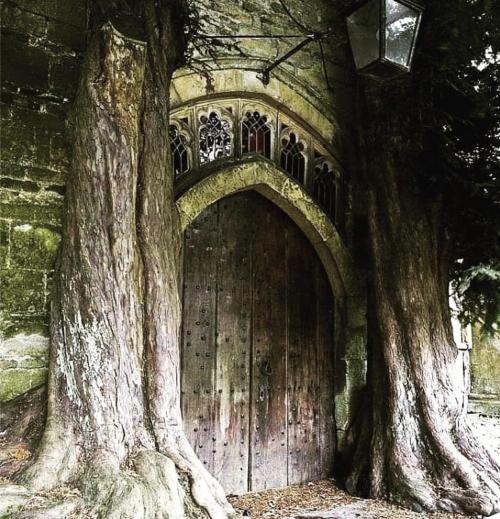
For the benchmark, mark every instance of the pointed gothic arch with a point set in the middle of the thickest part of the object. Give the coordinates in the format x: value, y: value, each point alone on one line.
x: 263, y: 176
x: 257, y: 173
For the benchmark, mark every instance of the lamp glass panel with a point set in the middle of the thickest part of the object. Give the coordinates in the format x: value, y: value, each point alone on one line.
x: 364, y: 33
x: 401, y: 24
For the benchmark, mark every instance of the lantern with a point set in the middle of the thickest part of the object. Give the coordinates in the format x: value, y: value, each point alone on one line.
x: 382, y: 34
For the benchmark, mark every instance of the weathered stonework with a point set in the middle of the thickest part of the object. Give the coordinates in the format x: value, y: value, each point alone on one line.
x: 23, y: 365
x: 263, y: 176
x: 485, y: 374
x: 42, y: 46
x: 42, y: 43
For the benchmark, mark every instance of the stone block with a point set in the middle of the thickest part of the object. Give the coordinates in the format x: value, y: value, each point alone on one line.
x: 356, y: 373
x: 23, y: 364
x: 41, y: 208
x: 356, y: 310
x: 36, y: 174
x: 23, y: 64
x: 23, y: 292
x: 25, y: 345
x: 73, y: 12
x: 16, y: 381
x: 356, y: 343
x: 67, y: 35
x: 485, y: 365
x: 486, y: 405
x: 353, y: 511
x: 19, y: 185
x: 25, y: 137
x: 59, y: 152
x: 4, y: 243
x: 15, y: 324
x: 7, y: 363
x: 19, y: 20
x: 33, y: 247
x: 64, y: 72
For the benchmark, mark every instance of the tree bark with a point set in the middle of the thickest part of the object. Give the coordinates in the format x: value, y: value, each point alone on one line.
x: 415, y: 446
x: 114, y: 428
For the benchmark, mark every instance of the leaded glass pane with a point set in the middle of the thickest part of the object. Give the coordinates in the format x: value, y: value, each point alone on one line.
x: 292, y: 159
x: 255, y: 134
x: 364, y: 33
x: 401, y: 25
x: 178, y: 148
x: 325, y: 188
x: 215, y: 137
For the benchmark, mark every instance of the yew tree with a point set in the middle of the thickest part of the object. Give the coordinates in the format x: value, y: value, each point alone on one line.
x: 430, y: 148
x: 114, y: 428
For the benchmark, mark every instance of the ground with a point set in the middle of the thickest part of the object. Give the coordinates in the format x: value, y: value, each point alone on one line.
x: 291, y: 502
x: 285, y: 503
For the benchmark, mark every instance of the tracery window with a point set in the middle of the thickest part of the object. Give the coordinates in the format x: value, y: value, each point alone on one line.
x: 255, y: 134
x: 208, y: 130
x: 179, y: 150
x: 215, y: 137
x: 325, y: 187
x: 292, y: 158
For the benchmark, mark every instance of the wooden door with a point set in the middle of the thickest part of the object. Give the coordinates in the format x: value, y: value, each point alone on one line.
x: 257, y: 347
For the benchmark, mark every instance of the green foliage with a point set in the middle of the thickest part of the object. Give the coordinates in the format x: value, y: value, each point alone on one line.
x: 203, y: 50
x: 457, y: 76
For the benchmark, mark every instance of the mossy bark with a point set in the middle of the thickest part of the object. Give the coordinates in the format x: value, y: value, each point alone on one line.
x: 414, y: 445
x: 114, y: 428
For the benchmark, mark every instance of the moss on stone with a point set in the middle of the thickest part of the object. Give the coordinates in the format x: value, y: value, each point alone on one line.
x: 485, y: 365
x: 16, y: 381
x: 4, y: 243
x: 33, y: 247
x: 23, y: 292
x: 23, y: 364
x: 13, y: 325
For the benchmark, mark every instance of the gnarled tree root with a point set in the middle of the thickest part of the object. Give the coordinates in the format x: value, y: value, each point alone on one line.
x: 452, y: 472
x: 151, y: 485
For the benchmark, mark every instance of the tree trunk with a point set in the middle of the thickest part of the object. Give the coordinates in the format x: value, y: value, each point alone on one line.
x: 114, y: 428
x: 415, y: 447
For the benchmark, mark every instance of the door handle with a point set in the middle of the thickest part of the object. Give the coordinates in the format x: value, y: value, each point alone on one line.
x: 265, y: 368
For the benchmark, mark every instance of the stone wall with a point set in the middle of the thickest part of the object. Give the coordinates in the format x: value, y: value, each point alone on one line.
x: 42, y: 42
x: 485, y: 374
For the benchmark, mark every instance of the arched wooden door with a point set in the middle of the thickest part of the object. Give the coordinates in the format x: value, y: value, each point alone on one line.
x: 257, y: 347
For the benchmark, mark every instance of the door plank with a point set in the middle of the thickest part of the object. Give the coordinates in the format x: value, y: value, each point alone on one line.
x: 201, y: 242
x: 232, y: 397
x: 303, y: 412
x: 325, y: 340
x: 268, y: 465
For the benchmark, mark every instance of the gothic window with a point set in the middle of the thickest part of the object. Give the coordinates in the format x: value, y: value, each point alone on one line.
x: 255, y: 134
x: 215, y: 137
x: 179, y: 150
x: 204, y: 132
x: 325, y: 188
x: 292, y: 158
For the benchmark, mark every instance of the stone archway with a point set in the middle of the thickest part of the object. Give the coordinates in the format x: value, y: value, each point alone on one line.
x: 266, y: 178
x: 263, y: 176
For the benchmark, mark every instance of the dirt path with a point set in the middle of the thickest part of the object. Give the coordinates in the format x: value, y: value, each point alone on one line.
x: 286, y: 503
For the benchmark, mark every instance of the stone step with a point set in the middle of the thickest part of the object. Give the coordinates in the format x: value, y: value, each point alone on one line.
x: 352, y: 511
